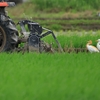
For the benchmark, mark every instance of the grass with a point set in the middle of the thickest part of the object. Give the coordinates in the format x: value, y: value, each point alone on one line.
x: 59, y: 76
x: 36, y: 14
x: 67, y: 5
x: 49, y: 76
x: 76, y: 39
x: 32, y: 12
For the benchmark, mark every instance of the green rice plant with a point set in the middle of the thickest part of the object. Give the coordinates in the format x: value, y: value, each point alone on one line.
x: 67, y: 4
x: 74, y: 39
x: 59, y: 76
x: 56, y: 27
x: 45, y: 4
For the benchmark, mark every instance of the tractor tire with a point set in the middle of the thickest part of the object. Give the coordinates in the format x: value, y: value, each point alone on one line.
x: 6, y: 39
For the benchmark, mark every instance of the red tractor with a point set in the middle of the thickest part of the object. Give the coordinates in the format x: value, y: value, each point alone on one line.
x: 10, y: 39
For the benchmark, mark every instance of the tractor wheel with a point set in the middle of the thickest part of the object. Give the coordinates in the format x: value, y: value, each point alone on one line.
x: 5, y: 40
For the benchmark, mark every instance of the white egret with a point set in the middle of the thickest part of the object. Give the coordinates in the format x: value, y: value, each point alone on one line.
x: 90, y: 47
x: 98, y: 44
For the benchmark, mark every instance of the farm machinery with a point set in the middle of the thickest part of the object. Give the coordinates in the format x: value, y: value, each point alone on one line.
x: 10, y: 38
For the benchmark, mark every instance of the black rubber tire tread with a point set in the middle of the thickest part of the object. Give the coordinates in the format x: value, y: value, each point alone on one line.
x: 6, y: 45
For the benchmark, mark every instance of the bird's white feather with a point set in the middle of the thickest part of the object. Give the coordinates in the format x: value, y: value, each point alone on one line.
x: 91, y: 48
x: 98, y: 44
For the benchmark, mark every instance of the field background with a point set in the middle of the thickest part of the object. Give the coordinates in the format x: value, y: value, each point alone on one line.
x: 58, y: 76
x: 60, y: 15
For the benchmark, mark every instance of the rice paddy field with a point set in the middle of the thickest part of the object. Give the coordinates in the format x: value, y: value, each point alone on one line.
x: 74, y: 39
x: 58, y: 76
x: 55, y: 76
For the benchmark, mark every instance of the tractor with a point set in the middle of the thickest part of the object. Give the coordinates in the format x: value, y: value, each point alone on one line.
x: 10, y: 38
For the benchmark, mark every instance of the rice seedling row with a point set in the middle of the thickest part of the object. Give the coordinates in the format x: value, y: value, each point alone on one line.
x: 74, y: 41
x: 49, y: 76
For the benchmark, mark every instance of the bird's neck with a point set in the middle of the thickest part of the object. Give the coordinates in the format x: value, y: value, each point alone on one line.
x: 88, y: 44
